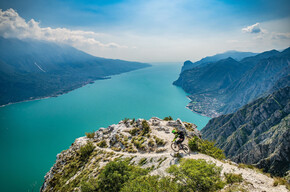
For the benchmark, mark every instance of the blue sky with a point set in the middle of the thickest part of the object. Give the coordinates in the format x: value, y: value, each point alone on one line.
x: 158, y: 30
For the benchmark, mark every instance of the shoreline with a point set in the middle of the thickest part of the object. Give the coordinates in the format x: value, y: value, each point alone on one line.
x: 202, y: 114
x: 57, y: 94
x: 210, y: 115
x: 69, y: 90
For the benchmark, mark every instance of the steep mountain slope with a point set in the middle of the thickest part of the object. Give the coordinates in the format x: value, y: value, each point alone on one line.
x: 211, y: 59
x: 261, y: 78
x: 213, y: 77
x: 154, y: 154
x: 32, y: 69
x: 258, y: 133
x: 216, y: 90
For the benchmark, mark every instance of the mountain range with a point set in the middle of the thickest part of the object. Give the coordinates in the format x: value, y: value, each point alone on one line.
x: 226, y: 85
x: 31, y: 69
x: 237, y: 55
x: 258, y: 133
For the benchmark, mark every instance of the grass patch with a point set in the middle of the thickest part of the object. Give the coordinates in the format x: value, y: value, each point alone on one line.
x: 281, y: 181
x: 102, y: 144
x: 159, y: 141
x: 197, y: 175
x: 85, y: 151
x: 146, y: 128
x: 206, y: 147
x: 233, y: 178
x: 116, y: 148
x: 168, y: 118
x: 142, y: 161
x: 90, y: 135
x: 134, y: 131
x: 151, y: 143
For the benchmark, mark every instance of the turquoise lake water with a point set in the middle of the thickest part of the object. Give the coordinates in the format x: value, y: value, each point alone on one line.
x: 32, y: 133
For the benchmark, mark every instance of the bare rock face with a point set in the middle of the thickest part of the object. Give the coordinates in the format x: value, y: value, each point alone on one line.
x: 258, y: 133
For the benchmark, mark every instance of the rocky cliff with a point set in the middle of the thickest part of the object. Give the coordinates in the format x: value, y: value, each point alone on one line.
x: 145, y: 144
x: 226, y: 85
x: 258, y: 133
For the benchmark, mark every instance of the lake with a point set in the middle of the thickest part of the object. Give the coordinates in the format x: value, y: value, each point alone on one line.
x: 34, y: 132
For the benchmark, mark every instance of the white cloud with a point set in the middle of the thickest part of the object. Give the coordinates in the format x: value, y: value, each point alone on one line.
x: 280, y: 35
x: 14, y: 26
x: 254, y: 29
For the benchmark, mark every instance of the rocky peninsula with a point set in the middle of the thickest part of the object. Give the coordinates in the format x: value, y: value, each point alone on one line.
x: 145, y: 144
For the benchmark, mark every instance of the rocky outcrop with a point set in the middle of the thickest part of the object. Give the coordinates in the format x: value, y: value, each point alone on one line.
x: 128, y: 138
x: 258, y: 133
x: 71, y: 168
x: 114, y: 142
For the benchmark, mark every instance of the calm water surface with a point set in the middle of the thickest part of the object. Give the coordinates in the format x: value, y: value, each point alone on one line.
x: 32, y: 133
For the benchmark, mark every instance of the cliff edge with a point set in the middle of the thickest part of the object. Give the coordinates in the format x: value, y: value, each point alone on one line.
x: 145, y: 144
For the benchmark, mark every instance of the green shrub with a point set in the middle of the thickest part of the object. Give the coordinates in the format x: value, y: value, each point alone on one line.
x: 89, y: 186
x: 146, y: 127
x: 143, y: 147
x: 102, y: 144
x: 115, y: 174
x: 168, y: 118
x: 242, y: 165
x: 159, y: 141
x: 134, y: 131
x: 116, y: 148
x: 150, y: 184
x: 233, y: 178
x: 90, y: 135
x: 125, y: 120
x: 206, y: 147
x: 188, y: 126
x: 194, y: 143
x: 85, y: 151
x: 197, y: 175
x: 142, y: 161
x: 281, y: 181
x: 151, y: 143
x: 137, y: 144
x: 133, y: 121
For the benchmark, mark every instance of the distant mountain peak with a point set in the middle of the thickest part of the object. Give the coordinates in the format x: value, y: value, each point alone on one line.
x: 236, y: 55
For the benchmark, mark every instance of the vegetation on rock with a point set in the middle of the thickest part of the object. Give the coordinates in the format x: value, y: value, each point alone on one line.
x: 168, y: 118
x: 102, y: 144
x: 233, y: 178
x: 90, y: 135
x: 197, y: 175
x: 206, y: 147
x: 86, y: 150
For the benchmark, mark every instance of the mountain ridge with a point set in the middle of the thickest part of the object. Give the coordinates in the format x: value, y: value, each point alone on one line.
x: 237, y: 55
x: 258, y: 133
x: 32, y: 69
x: 252, y: 77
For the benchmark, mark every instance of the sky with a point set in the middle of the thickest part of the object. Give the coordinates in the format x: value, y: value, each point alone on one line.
x: 151, y: 30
